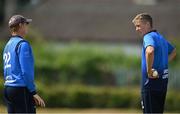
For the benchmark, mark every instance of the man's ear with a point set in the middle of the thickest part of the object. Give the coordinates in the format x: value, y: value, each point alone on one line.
x: 148, y: 24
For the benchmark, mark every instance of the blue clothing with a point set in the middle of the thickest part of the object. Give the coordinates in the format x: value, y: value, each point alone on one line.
x: 162, y: 48
x: 19, y: 64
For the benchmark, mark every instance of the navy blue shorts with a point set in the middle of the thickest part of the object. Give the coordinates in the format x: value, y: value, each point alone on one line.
x: 153, y: 101
x: 19, y: 100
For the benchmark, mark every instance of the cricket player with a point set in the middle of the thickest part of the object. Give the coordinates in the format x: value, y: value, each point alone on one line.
x: 20, y: 91
x: 156, y: 53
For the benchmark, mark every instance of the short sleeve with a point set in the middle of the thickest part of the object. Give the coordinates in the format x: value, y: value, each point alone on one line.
x: 148, y: 41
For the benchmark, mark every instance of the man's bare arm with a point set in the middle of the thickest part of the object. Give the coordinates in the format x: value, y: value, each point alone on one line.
x: 172, y: 55
x: 149, y: 60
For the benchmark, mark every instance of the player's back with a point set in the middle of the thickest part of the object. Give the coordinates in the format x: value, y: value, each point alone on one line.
x: 12, y: 71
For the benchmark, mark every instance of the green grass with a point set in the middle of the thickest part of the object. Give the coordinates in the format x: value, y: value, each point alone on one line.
x: 82, y: 111
x: 79, y: 111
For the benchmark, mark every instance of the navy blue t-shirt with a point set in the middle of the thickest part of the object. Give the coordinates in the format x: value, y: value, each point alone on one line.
x: 162, y: 48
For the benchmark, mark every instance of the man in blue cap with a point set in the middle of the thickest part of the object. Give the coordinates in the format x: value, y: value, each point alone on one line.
x: 20, y: 91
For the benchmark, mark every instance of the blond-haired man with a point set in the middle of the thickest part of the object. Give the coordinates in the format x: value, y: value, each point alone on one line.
x: 156, y: 53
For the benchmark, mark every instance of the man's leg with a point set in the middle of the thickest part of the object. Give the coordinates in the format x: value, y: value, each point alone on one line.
x: 17, y: 99
x: 9, y: 104
x: 160, y: 99
x: 146, y: 102
x: 31, y: 103
x: 28, y: 101
x: 153, y: 101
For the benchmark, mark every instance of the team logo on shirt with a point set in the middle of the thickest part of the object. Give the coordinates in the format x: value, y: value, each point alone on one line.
x: 165, y: 74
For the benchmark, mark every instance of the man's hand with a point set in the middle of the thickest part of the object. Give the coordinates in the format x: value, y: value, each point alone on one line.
x: 149, y: 72
x: 38, y: 100
x: 153, y: 74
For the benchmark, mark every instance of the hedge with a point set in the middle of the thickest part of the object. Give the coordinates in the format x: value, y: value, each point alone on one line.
x: 89, y: 65
x: 85, y: 64
x: 81, y: 96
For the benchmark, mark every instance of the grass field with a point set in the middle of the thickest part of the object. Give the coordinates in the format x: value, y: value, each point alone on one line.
x: 88, y: 111
x: 83, y: 111
x: 78, y: 111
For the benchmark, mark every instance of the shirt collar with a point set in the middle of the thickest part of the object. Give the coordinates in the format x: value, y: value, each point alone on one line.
x: 151, y: 31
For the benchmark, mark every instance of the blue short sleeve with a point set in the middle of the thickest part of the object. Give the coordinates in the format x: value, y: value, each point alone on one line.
x: 148, y: 41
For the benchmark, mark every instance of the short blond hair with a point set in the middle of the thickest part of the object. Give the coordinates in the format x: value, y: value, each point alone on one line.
x: 143, y: 17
